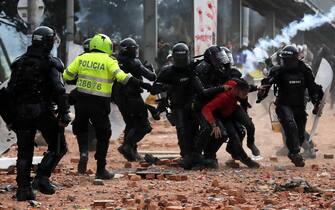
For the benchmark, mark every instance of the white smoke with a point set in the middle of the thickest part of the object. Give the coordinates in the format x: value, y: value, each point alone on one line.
x: 307, y: 23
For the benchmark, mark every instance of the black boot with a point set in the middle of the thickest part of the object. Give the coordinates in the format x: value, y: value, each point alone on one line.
x: 297, y: 160
x: 24, y: 191
x: 127, y: 151
x: 255, y: 151
x: 25, y: 194
x: 102, y: 173
x: 43, y: 184
x: 309, y: 150
x: 211, y: 163
x: 82, y: 165
x: 48, y: 164
x: 250, y: 163
x: 154, y: 112
x: 137, y: 156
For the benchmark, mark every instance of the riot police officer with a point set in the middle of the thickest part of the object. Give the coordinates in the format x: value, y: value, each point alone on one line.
x: 213, y: 71
x: 35, y: 86
x: 292, y: 78
x: 95, y: 73
x: 129, y: 100
x: 83, y: 140
x: 181, y: 84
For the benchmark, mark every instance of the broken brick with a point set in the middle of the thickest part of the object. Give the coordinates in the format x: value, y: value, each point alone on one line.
x: 90, y: 171
x: 132, y: 184
x: 160, y: 177
x: 150, y: 176
x: 134, y: 177
x: 163, y: 162
x: 271, y: 201
x: 274, y: 159
x: 183, y: 177
x: 101, y: 203
x: 315, y: 167
x: 328, y: 156
x: 127, y: 165
x: 215, y: 183
x: 130, y: 202
x: 181, y: 197
x: 74, y: 160
x: 153, y: 206
x: 144, y: 165
x: 174, y: 208
x: 98, y: 182
x: 236, y: 193
x: 240, y: 199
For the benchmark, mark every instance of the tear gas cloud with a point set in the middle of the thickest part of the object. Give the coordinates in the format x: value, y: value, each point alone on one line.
x: 307, y: 23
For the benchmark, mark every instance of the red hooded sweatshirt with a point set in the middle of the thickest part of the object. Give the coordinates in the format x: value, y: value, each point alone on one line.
x: 225, y: 103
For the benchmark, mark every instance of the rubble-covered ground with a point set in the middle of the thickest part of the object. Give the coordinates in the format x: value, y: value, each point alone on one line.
x: 311, y: 187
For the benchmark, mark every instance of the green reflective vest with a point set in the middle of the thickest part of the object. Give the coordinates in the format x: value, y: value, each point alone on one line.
x: 95, y: 73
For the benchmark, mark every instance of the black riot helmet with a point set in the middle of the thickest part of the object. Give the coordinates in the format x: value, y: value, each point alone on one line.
x: 289, y: 57
x: 180, y: 55
x: 44, y: 37
x: 128, y: 48
x: 229, y: 54
x: 86, y: 45
x: 217, y: 57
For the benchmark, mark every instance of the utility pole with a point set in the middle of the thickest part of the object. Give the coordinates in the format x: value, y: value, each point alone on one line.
x: 150, y: 31
x: 245, y: 26
x: 69, y: 27
x: 32, y: 14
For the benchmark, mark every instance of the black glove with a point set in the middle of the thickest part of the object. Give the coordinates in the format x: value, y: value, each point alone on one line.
x: 252, y: 88
x: 146, y: 86
x: 64, y: 119
x: 316, y: 108
x: 148, y: 66
x: 72, y: 96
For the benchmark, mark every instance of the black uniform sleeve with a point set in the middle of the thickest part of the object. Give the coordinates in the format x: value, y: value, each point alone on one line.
x: 208, y: 92
x: 60, y: 95
x: 144, y: 71
x: 163, y: 82
x: 57, y: 64
x: 314, y: 90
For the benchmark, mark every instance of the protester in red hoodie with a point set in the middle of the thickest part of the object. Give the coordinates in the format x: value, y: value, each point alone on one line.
x: 225, y: 106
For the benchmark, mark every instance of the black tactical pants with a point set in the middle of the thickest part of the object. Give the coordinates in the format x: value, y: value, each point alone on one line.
x: 234, y: 146
x: 54, y: 135
x: 207, y: 143
x: 240, y: 116
x: 239, y: 119
x: 135, y: 115
x: 186, y: 126
x: 293, y: 121
x: 96, y: 110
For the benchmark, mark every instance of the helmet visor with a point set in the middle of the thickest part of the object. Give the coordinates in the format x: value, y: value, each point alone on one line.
x: 180, y: 59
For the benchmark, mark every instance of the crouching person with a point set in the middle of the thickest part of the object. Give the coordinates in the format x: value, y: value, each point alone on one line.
x: 226, y: 106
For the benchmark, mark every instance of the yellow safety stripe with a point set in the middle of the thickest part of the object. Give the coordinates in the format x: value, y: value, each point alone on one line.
x: 125, y: 81
x: 115, y: 73
x: 70, y: 73
x: 94, y: 92
x: 98, y: 79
